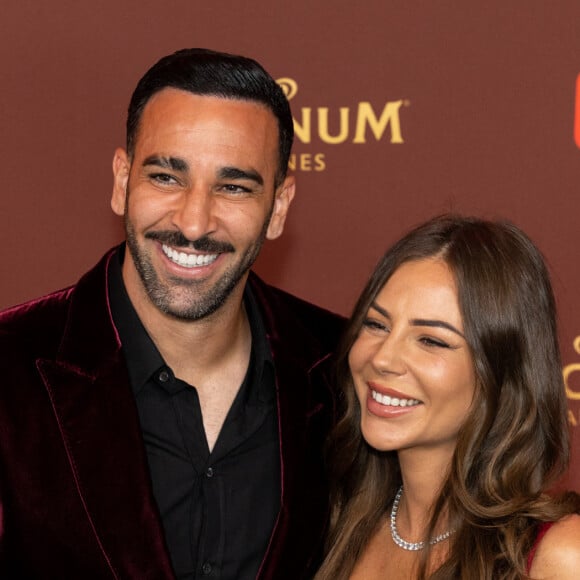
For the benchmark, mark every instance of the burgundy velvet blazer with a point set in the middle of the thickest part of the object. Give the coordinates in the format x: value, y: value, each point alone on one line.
x: 75, y: 496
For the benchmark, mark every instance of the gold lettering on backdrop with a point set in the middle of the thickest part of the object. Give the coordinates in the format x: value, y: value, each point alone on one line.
x: 289, y: 86
x: 333, y: 126
x: 365, y: 118
x: 323, y: 126
x: 389, y: 116
x: 568, y: 370
x: 307, y: 162
x: 573, y: 413
x: 303, y: 132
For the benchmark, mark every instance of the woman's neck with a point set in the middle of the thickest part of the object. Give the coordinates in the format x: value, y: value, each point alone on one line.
x: 423, y: 475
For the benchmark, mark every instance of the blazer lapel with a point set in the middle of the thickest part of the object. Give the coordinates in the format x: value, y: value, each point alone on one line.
x: 305, y: 415
x: 89, y: 388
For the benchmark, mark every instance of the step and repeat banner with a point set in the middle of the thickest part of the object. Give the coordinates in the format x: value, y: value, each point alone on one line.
x: 403, y: 110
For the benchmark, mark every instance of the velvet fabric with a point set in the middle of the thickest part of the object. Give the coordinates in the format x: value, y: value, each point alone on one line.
x: 75, y: 494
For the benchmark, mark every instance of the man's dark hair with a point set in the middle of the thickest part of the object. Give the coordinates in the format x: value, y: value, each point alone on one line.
x: 206, y: 72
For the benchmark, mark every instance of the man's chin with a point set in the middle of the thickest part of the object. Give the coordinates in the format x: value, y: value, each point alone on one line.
x: 187, y: 304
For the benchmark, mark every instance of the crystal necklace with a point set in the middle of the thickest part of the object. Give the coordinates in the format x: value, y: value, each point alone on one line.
x: 412, y: 546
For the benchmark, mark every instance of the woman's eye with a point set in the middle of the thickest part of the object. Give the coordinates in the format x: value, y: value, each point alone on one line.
x: 372, y: 324
x: 430, y: 341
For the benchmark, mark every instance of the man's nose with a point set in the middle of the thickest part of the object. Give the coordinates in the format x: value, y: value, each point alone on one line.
x: 194, y: 213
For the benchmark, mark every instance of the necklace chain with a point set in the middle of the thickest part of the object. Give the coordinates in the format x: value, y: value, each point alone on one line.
x: 411, y: 546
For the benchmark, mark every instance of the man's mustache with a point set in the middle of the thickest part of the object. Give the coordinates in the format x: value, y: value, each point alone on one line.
x: 176, y: 239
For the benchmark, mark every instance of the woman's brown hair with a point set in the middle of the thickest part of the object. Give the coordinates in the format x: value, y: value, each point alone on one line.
x: 512, y: 448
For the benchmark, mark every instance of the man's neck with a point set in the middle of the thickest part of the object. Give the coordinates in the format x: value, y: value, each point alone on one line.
x: 202, y: 344
x: 212, y: 354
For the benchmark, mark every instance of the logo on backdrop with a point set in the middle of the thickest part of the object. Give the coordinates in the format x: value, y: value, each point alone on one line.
x: 577, y: 114
x: 361, y: 123
x: 571, y: 393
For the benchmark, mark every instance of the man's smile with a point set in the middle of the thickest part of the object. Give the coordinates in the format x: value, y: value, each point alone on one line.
x: 188, y: 260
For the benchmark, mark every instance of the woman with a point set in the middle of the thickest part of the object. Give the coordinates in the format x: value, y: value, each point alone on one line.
x: 455, y: 416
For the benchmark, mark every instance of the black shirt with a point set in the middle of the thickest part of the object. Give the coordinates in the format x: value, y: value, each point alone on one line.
x: 218, y: 509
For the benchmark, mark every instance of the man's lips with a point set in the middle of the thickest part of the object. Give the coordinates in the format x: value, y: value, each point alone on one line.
x: 189, y: 253
x: 179, y: 243
x: 187, y: 260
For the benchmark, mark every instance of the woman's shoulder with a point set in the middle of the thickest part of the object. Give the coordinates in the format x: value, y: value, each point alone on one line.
x: 558, y: 553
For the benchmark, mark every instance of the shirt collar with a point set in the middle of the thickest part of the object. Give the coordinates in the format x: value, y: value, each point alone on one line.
x: 142, y: 357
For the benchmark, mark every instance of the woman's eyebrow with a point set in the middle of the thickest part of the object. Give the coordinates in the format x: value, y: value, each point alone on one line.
x: 380, y: 310
x: 437, y: 324
x: 420, y: 321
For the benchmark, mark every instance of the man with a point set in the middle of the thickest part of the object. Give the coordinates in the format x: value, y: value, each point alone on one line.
x: 165, y: 417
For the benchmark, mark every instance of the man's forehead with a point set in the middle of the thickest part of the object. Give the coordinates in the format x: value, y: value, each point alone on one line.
x: 173, y: 97
x: 216, y: 130
x: 171, y: 111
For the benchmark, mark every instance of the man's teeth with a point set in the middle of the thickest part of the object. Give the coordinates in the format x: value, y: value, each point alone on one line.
x: 188, y: 260
x: 393, y: 401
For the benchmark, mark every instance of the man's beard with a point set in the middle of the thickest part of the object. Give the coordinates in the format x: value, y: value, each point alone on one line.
x: 182, y: 298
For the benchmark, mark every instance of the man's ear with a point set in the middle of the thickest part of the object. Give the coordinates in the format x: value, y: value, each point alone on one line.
x: 121, y: 168
x: 283, y: 197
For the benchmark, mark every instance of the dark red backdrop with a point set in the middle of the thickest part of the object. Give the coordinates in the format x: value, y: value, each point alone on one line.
x: 485, y: 97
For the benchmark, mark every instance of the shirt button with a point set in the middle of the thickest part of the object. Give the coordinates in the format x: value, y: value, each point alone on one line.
x: 209, y: 472
x: 206, y: 568
x: 163, y: 376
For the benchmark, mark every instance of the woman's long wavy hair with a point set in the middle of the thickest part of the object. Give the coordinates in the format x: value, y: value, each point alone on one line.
x: 513, y: 446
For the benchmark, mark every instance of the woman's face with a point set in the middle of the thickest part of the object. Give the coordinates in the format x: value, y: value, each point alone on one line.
x: 411, y: 365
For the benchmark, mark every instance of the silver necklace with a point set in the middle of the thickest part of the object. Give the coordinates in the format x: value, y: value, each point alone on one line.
x: 412, y: 546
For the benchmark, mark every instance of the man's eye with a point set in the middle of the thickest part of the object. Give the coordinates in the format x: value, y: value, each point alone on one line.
x: 163, y: 178
x: 235, y: 188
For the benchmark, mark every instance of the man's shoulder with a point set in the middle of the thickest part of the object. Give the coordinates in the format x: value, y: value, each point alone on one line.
x: 286, y: 311
x: 32, y: 322
x: 38, y: 323
x: 276, y: 296
x: 35, y: 311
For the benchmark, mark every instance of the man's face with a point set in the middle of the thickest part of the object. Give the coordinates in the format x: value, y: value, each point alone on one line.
x: 198, y: 199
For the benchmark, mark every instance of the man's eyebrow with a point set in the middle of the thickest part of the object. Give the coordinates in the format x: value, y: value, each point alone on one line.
x: 421, y: 321
x: 173, y: 163
x: 237, y: 173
